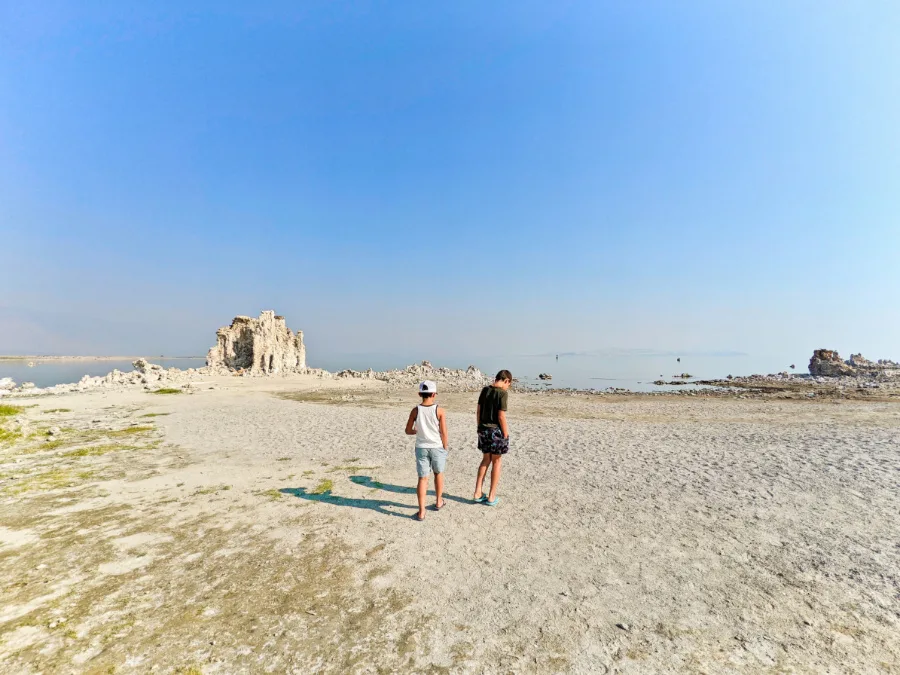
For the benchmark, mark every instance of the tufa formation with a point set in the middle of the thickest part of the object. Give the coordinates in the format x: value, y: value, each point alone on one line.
x: 263, y: 346
x: 828, y: 363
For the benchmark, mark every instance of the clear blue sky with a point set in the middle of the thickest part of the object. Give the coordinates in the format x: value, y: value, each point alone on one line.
x: 476, y: 177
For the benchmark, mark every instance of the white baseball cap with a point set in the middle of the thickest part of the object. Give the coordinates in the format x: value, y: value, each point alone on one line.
x: 428, y: 387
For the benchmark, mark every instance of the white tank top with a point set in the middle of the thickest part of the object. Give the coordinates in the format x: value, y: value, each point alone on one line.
x: 428, y: 430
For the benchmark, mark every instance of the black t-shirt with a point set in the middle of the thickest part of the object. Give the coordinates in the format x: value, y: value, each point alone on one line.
x: 492, y: 400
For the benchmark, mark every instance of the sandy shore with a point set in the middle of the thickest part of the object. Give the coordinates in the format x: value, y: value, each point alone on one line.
x: 266, y: 526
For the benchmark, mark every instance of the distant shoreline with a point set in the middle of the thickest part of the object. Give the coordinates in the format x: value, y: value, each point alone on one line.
x: 91, y: 358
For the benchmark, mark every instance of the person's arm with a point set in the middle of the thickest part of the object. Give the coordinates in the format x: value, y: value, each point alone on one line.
x: 411, y: 422
x: 501, y: 418
x: 478, y: 414
x: 442, y: 422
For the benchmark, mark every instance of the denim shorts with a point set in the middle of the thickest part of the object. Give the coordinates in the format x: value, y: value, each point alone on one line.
x: 430, y: 459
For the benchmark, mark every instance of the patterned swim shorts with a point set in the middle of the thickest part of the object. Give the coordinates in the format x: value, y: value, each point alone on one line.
x: 490, y: 440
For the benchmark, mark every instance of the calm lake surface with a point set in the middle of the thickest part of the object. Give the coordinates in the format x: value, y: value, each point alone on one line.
x: 634, y: 372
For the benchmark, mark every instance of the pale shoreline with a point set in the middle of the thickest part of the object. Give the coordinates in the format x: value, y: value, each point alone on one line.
x: 38, y: 358
x: 635, y: 534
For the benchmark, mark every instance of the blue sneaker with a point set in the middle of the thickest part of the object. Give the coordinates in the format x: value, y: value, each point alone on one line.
x: 493, y: 503
x: 482, y: 499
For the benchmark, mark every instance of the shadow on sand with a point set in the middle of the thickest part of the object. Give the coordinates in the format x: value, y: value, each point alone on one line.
x: 380, y: 505
x: 368, y: 482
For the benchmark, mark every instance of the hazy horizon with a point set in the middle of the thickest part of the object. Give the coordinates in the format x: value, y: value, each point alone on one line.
x: 449, y: 180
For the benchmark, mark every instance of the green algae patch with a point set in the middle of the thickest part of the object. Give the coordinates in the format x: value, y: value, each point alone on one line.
x: 128, y: 431
x: 55, y: 479
x: 10, y: 410
x: 351, y: 468
x: 98, y: 450
x: 57, y: 410
x: 324, y: 486
x: 155, y: 414
x: 272, y: 494
x: 167, y: 390
x: 9, y: 435
x: 212, y: 489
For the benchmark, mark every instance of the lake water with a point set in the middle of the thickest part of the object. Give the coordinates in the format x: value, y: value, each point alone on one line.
x: 634, y: 372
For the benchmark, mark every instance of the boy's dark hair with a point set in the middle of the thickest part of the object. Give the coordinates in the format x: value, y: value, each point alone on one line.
x: 427, y: 394
x: 503, y: 375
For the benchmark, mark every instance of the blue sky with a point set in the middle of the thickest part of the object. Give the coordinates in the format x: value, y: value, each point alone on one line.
x: 451, y: 178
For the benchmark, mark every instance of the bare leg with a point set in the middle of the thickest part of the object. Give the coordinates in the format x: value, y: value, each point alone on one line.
x: 496, y: 465
x: 439, y: 490
x: 482, y: 472
x: 421, y: 491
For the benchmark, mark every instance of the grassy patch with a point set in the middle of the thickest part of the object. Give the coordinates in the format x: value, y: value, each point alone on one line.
x: 308, y: 473
x: 127, y: 432
x: 283, y: 459
x: 167, y: 390
x: 7, y: 436
x: 155, y: 414
x: 355, y: 467
x: 325, y: 485
x: 47, y: 480
x: 98, y: 450
x: 58, y: 410
x: 10, y: 410
x: 212, y: 489
x: 272, y: 494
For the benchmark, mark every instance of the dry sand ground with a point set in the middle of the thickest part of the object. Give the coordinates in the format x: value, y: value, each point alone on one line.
x: 642, y: 534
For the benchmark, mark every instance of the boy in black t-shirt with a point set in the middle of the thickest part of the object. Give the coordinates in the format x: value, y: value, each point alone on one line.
x: 493, y: 435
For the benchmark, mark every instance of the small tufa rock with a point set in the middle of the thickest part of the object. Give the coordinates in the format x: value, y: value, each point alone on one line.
x: 624, y: 626
x: 53, y: 431
x: 545, y: 376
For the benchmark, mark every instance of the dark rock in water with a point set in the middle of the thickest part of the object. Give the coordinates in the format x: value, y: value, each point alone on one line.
x: 684, y: 376
x: 545, y: 376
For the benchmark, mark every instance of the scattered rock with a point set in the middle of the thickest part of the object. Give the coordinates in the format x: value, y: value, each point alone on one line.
x: 447, y: 378
x: 7, y: 383
x: 624, y: 626
x: 545, y: 376
x: 53, y: 431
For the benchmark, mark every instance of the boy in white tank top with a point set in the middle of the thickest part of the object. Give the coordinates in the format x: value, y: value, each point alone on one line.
x: 428, y: 423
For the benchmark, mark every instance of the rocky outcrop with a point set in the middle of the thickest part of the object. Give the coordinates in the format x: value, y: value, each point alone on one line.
x: 828, y: 363
x: 263, y: 346
x: 448, y: 379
